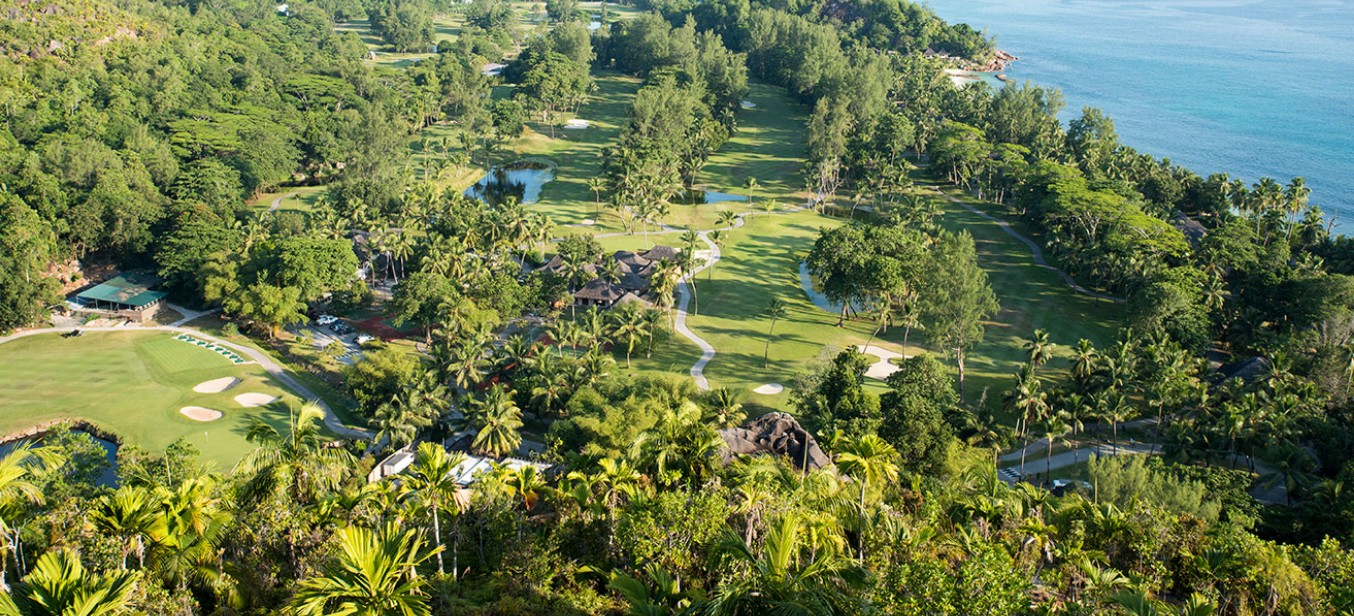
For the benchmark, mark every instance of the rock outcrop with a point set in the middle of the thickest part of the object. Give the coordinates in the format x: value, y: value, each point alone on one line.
x: 778, y: 434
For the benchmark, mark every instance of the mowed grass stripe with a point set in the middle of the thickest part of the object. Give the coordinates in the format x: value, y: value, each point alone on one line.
x: 133, y: 384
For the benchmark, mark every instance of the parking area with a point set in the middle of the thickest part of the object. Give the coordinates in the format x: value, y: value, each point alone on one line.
x: 326, y: 332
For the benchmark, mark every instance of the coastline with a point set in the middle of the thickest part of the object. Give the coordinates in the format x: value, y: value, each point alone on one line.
x: 993, y: 72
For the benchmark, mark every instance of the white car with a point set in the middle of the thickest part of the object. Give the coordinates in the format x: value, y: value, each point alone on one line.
x: 365, y: 338
x: 326, y: 319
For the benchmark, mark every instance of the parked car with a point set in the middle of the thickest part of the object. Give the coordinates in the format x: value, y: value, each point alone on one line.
x: 326, y: 319
x: 340, y: 328
x: 365, y: 338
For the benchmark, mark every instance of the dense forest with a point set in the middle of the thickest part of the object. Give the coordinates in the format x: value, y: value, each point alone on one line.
x: 136, y: 130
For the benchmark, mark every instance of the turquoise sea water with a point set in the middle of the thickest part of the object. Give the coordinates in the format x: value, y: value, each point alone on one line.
x: 1251, y: 88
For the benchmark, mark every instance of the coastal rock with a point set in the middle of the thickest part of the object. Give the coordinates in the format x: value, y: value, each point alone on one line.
x: 774, y: 433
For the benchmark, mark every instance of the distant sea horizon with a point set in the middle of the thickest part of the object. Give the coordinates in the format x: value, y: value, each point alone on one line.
x: 1251, y: 88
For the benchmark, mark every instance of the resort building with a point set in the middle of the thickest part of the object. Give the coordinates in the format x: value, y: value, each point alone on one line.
x: 629, y: 282
x: 128, y: 296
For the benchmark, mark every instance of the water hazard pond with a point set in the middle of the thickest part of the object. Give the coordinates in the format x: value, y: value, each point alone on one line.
x: 109, y: 475
x: 520, y: 180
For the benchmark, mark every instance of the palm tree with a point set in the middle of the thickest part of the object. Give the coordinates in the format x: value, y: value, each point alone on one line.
x: 15, y: 488
x: 726, y: 410
x: 869, y: 459
x: 718, y: 238
x: 526, y: 483
x: 752, y: 186
x: 430, y: 480
x: 496, y: 421
x: 1039, y: 349
x: 375, y: 573
x: 776, y: 310
x: 782, y: 578
x: 299, y: 461
x: 399, y: 420
x: 679, y: 445
x: 690, y: 241
x: 629, y: 328
x: 1084, y: 358
x: 60, y: 586
x: 663, y: 282
x: 597, y: 184
x: 128, y: 515
x: 727, y: 218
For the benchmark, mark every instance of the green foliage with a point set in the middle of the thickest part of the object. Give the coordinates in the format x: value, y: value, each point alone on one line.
x: 380, y: 375
x: 917, y: 412
x: 1126, y: 480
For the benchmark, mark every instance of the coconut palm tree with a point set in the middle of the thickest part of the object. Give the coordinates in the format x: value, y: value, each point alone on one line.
x: 399, y: 420
x: 784, y: 577
x: 751, y: 185
x: 629, y: 328
x: 1084, y: 358
x: 527, y: 484
x: 496, y: 421
x: 718, y: 237
x: 432, y: 484
x: 1039, y: 350
x: 690, y: 242
x: 597, y: 184
x: 776, y: 310
x: 868, y: 459
x: 725, y: 409
x: 299, y: 461
x: 663, y: 282
x: 60, y: 586
x: 678, y: 446
x: 375, y: 573
x: 727, y: 218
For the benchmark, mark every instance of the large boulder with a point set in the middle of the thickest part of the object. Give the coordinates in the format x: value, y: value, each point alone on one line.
x: 775, y: 433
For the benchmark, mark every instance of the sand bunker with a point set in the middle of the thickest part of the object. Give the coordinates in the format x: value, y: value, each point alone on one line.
x: 576, y: 124
x: 881, y: 369
x: 216, y: 386
x: 769, y: 389
x: 252, y: 400
x: 198, y: 413
x: 587, y: 222
x: 747, y: 104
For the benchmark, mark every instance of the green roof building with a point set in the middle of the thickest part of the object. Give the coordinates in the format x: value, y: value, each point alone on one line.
x: 128, y: 292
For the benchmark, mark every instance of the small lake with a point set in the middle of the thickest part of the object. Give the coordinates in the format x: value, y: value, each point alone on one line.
x: 520, y: 181
x: 713, y: 196
x: 110, y: 475
x: 818, y: 299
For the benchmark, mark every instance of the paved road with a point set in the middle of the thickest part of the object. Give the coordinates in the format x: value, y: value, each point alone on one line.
x: 331, y: 420
x: 1035, y: 251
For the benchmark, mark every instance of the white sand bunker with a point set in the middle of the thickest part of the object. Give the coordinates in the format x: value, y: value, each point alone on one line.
x: 769, y: 389
x: 881, y: 369
x: 747, y: 104
x: 587, y: 222
x: 216, y: 386
x: 252, y: 399
x: 576, y: 124
x: 198, y: 413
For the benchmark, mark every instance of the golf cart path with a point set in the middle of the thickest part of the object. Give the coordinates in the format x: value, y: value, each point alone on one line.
x: 331, y: 420
x: 1035, y: 251
x: 278, y: 201
x: 679, y: 324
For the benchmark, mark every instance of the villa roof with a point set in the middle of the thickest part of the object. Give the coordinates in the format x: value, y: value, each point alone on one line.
x: 658, y: 253
x: 127, y: 289
x: 631, y: 298
x: 599, y: 290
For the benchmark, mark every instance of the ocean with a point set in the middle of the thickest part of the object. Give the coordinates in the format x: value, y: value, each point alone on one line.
x: 1251, y: 88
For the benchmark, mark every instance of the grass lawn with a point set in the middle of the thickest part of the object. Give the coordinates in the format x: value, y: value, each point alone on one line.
x: 1031, y: 298
x: 133, y: 384
x: 303, y: 199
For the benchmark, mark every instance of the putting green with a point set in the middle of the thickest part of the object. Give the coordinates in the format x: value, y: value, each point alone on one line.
x: 133, y: 384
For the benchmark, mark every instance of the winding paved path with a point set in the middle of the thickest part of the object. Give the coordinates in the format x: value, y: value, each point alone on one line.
x: 278, y: 201
x: 1035, y: 250
x: 679, y: 324
x: 331, y: 420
